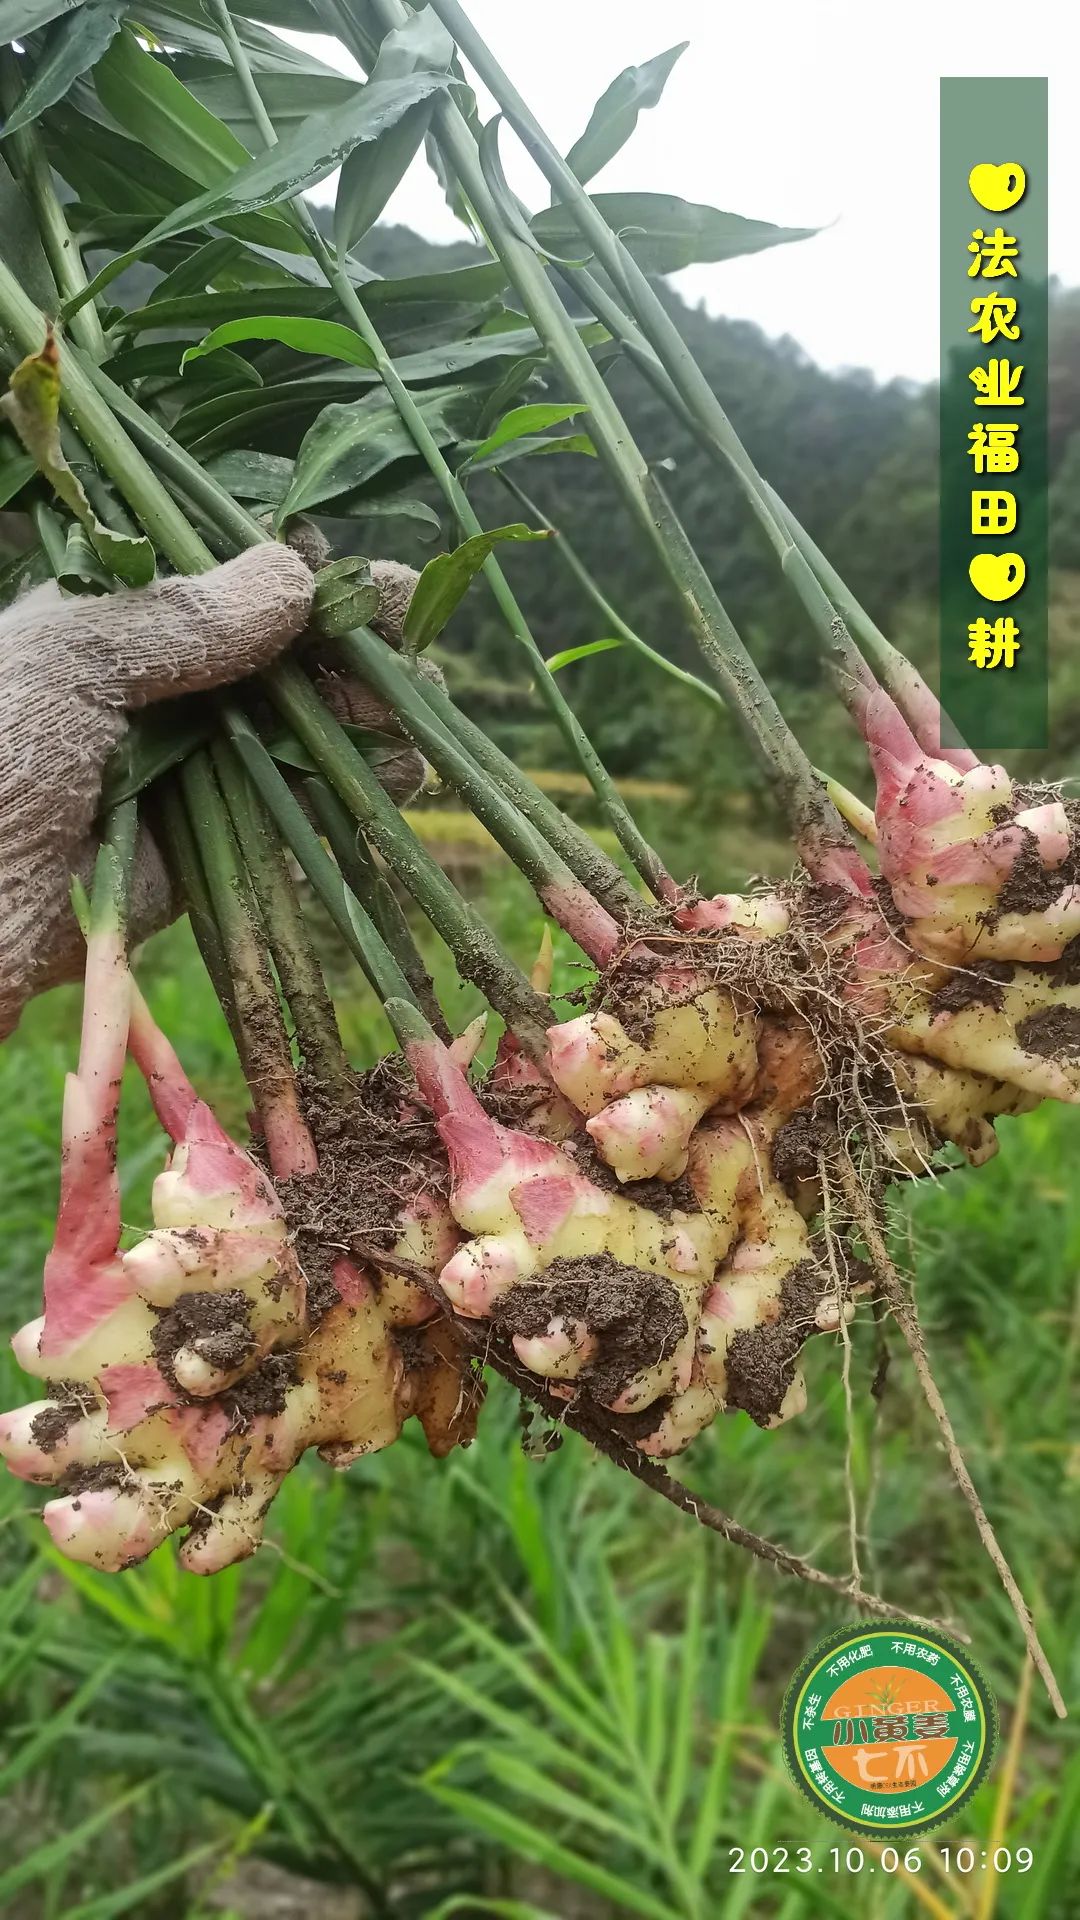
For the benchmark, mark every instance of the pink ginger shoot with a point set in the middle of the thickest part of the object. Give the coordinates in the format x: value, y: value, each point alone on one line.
x: 644, y: 1084
x: 532, y: 1217
x: 949, y: 842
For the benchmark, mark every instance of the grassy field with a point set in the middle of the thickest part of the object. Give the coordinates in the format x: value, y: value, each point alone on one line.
x: 514, y: 1682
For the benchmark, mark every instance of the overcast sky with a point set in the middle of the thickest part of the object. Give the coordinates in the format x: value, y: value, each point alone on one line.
x: 803, y: 112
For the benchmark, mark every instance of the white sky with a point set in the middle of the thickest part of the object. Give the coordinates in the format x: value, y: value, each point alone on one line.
x: 803, y: 112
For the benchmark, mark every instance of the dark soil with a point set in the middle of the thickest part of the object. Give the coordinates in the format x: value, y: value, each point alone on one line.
x: 1053, y: 1033
x: 822, y: 909
x: 512, y: 1106
x: 664, y: 1197
x: 635, y: 1426
x: 1066, y: 971
x: 216, y: 1325
x: 376, y: 1153
x: 262, y: 1393
x: 1031, y: 887
x: 415, y: 1353
x: 798, y: 1146
x: 49, y: 1427
x: 110, y: 1473
x: 761, y: 1362
x: 984, y: 987
x: 637, y: 1316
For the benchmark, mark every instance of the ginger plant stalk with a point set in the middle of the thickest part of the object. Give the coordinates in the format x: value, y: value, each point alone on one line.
x: 182, y: 853
x: 841, y: 646
x: 349, y: 917
x: 657, y: 324
x: 558, y: 889
x: 477, y: 952
x: 268, y: 1066
x: 294, y: 959
x: 589, y: 863
x: 375, y: 894
x: 643, y: 857
x: 613, y: 620
x: 818, y: 827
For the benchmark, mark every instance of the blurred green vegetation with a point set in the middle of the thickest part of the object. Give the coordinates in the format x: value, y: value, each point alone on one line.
x: 514, y: 1682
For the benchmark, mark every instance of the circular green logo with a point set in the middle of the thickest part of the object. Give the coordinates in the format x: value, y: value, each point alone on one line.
x: 887, y: 1728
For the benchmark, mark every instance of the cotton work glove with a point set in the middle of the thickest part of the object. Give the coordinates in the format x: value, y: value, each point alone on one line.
x: 72, y: 667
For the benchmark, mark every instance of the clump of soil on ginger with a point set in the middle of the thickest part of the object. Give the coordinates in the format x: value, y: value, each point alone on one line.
x: 1030, y: 886
x: 378, y: 1150
x: 49, y: 1428
x: 981, y: 987
x: 760, y: 1363
x: 797, y: 1148
x: 1053, y: 1033
x: 217, y: 1325
x: 637, y: 1316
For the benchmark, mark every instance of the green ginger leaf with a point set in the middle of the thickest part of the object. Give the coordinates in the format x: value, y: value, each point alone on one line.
x: 665, y: 233
x: 523, y: 420
x: 250, y: 475
x: 74, y: 44
x: 445, y: 580
x: 615, y: 114
x: 15, y: 470
x: 80, y: 570
x: 20, y: 17
x: 156, y: 740
x: 569, y: 654
x: 186, y: 24
x: 531, y: 446
x: 345, y: 596
x: 289, y: 98
x: 324, y: 337
x: 157, y: 361
x: 300, y: 160
x: 20, y: 247
x: 144, y: 96
x: 353, y: 443
x: 395, y: 299
x: 371, y: 174
x: 32, y: 404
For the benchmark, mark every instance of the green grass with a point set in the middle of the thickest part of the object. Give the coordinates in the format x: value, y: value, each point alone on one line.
x: 515, y: 1674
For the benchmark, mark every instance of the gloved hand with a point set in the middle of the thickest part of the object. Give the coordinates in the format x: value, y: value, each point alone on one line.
x: 70, y: 668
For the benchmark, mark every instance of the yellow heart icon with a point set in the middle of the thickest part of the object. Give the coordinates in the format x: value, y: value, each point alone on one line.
x: 997, y: 576
x: 998, y: 188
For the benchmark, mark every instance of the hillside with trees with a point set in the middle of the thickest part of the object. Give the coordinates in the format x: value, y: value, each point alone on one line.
x: 854, y: 458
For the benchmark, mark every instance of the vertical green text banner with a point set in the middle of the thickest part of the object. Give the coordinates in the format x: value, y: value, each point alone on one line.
x: 993, y: 582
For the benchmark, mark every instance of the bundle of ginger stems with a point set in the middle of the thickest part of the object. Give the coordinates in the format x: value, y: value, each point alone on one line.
x: 638, y: 1215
